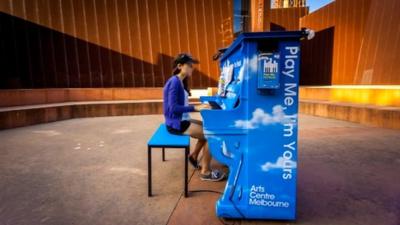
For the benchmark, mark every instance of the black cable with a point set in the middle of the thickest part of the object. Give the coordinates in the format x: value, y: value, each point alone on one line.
x: 234, y: 187
x: 221, y: 220
x: 205, y: 190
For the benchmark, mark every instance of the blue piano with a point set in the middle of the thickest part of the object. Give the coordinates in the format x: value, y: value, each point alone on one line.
x: 252, y: 126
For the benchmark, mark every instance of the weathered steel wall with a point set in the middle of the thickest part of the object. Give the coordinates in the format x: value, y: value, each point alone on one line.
x: 366, y: 41
x: 109, y: 43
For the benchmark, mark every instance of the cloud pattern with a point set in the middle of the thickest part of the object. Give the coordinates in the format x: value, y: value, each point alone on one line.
x: 279, y: 164
x: 262, y: 118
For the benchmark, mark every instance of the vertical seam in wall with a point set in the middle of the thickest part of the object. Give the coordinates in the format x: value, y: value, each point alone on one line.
x: 28, y: 45
x: 150, y: 44
x: 214, y: 36
x: 197, y: 42
x: 395, y: 47
x: 140, y: 43
x: 109, y: 43
x: 381, y: 18
x: 87, y: 43
x: 361, y: 34
x: 345, y: 52
x: 168, y: 29
x: 186, y: 24
x: 160, y: 45
x: 353, y: 47
x: 368, y: 40
x: 14, y: 34
x: 130, y: 44
x: 37, y: 18
x: 98, y: 43
x: 119, y: 43
x: 206, y: 40
x: 386, y: 48
x: 76, y: 43
x: 53, y: 54
x: 177, y: 19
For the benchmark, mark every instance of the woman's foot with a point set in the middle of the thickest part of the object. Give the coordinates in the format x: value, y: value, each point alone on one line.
x: 194, y: 162
x: 214, y: 175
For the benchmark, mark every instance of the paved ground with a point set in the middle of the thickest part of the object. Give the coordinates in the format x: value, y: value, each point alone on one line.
x: 93, y: 171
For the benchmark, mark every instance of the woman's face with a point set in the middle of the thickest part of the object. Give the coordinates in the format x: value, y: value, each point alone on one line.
x: 186, y: 69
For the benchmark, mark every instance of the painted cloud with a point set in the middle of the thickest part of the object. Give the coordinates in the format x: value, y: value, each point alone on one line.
x: 247, y: 63
x: 279, y: 164
x: 262, y: 118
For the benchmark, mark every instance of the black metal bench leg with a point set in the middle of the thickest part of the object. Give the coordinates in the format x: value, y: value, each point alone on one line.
x: 163, y: 154
x: 187, y: 149
x: 149, y: 170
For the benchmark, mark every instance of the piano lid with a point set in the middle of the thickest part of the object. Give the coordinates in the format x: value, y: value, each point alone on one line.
x: 258, y: 35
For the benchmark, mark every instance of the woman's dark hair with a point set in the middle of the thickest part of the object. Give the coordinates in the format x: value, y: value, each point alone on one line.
x: 185, y: 81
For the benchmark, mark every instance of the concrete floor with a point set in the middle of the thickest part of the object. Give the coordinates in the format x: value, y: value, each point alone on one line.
x: 93, y: 171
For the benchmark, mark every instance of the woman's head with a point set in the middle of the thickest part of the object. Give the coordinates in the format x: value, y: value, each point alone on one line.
x: 185, y: 69
x: 183, y: 64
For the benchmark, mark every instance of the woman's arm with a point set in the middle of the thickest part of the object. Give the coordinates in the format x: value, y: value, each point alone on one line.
x: 173, y: 100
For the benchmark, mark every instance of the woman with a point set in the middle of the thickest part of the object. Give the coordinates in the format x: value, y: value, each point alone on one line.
x: 178, y: 120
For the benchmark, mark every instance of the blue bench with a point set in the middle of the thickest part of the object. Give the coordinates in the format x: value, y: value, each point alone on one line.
x: 163, y: 139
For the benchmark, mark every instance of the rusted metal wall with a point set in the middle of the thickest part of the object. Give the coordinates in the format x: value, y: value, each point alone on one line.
x: 109, y: 43
x: 366, y: 41
x: 259, y: 15
x: 316, y: 58
x: 287, y: 18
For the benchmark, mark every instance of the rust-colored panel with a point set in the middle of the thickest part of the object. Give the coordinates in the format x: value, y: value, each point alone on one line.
x: 227, y: 7
x: 390, y: 51
x: 18, y: 8
x: 363, y: 47
x: 163, y: 58
x: 72, y: 53
x: 316, y: 58
x: 79, y: 19
x: 93, y: 49
x: 91, y: 19
x: 106, y: 43
x: 145, y: 43
x: 115, y: 45
x: 126, y: 43
x: 105, y: 54
x: 194, y: 40
x: 287, y: 18
x: 155, y: 40
x: 203, y: 41
x: 46, y: 38
x: 55, y: 15
x: 374, y: 66
x: 215, y: 45
x: 210, y: 43
x: 43, y: 16
x: 137, y: 48
x: 68, y: 18
x: 82, y: 50
x: 5, y: 6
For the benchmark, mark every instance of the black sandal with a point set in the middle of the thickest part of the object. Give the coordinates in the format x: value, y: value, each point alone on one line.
x: 194, y: 163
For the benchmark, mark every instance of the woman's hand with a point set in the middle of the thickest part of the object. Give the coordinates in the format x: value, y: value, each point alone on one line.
x: 201, y: 107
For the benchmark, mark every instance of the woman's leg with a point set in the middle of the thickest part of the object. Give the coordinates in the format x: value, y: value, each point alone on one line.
x: 206, y: 160
x: 195, y: 130
x: 199, y: 145
x: 200, y: 142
